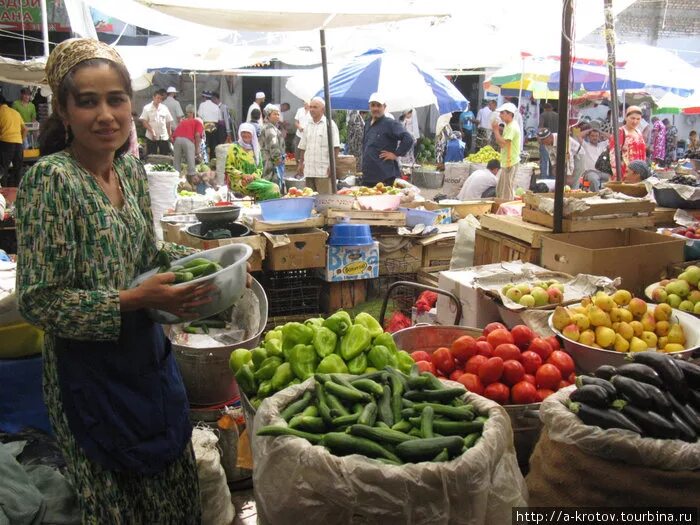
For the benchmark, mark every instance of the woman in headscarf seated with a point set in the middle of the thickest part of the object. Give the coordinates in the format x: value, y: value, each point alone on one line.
x: 637, y: 171
x: 243, y: 162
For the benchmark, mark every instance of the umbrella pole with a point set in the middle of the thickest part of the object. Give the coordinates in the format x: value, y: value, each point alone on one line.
x: 610, y: 43
x: 329, y: 122
x: 563, y: 134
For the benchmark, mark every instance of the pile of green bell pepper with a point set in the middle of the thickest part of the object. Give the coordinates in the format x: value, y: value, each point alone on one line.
x: 294, y: 352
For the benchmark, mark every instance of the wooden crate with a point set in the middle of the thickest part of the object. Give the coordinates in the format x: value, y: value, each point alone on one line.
x: 589, y: 223
x: 664, y: 217
x: 373, y: 218
x: 260, y: 226
x: 492, y: 247
x: 343, y: 294
x: 430, y: 276
x: 530, y: 234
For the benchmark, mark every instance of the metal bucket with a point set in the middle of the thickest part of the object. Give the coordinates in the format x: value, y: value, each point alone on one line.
x: 205, y: 371
x: 523, y: 418
x: 293, y: 182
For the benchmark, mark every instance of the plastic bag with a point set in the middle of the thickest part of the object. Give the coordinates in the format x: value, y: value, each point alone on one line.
x: 616, y: 444
x: 296, y: 482
x: 463, y: 253
x: 214, y: 494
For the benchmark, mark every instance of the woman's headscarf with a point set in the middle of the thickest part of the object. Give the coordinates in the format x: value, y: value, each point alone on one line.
x: 69, y: 53
x: 640, y: 167
x: 247, y: 126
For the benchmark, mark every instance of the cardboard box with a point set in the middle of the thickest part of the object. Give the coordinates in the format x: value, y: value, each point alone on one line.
x: 399, y: 255
x: 437, y: 249
x: 257, y: 242
x: 639, y: 257
x: 350, y: 263
x: 296, y: 249
x: 478, y: 310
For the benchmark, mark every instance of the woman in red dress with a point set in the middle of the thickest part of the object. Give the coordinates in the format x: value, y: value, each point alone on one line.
x: 632, y: 145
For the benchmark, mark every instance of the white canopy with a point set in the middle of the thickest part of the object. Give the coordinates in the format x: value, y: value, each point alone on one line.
x: 283, y: 15
x: 27, y: 72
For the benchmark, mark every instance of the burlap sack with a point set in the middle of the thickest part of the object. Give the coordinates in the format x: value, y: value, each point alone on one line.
x: 575, y: 465
x: 297, y: 483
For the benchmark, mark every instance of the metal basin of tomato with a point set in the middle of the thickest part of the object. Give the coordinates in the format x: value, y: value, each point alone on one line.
x: 524, y: 418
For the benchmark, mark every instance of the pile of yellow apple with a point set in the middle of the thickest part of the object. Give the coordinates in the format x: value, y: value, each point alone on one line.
x: 296, y: 192
x: 681, y: 293
x: 620, y: 322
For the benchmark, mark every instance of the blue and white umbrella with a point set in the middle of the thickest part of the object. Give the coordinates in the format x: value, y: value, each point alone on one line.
x: 398, y: 77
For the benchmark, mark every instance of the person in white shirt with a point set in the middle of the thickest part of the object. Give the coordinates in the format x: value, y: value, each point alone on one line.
x: 157, y: 120
x: 480, y: 182
x: 483, y: 132
x: 300, y: 119
x: 210, y: 112
x: 314, y: 161
x: 594, y: 143
x: 258, y: 104
x: 173, y: 106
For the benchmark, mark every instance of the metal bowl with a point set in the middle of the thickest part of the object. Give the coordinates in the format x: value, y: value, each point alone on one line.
x: 648, y: 291
x: 205, y: 371
x: 200, y: 229
x: 588, y: 358
x: 217, y: 213
x: 229, y: 282
x: 523, y: 418
x: 431, y: 180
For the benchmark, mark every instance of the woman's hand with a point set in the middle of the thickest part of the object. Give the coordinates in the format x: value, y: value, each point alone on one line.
x: 157, y: 292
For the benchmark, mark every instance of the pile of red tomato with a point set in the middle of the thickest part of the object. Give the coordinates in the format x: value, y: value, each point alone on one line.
x: 508, y: 366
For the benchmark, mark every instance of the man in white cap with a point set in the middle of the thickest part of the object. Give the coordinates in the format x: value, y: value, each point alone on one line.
x: 510, y: 141
x: 384, y: 141
x: 174, y: 106
x: 258, y: 104
x: 314, y: 161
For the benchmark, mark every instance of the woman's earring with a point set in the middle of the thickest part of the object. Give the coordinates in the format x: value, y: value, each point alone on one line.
x: 68, y: 133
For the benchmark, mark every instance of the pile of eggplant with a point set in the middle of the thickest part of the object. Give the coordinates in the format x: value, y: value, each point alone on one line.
x: 653, y: 395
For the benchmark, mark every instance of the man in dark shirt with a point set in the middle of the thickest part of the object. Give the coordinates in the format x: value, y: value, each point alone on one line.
x: 384, y: 141
x: 549, y: 119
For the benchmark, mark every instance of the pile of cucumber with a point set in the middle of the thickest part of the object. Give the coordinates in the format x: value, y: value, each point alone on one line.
x: 189, y: 271
x: 655, y: 395
x: 386, y: 415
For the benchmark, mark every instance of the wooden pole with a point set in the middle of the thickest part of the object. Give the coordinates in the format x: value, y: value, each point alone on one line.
x: 612, y: 72
x: 563, y: 134
x: 329, y: 122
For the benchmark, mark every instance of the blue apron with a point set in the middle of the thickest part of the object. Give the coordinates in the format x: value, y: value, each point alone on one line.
x: 125, y: 400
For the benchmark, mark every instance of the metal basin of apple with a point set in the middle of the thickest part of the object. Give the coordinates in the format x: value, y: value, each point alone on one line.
x: 588, y: 358
x: 648, y: 291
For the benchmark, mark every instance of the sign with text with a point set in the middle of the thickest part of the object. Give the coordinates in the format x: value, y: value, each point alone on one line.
x: 18, y: 15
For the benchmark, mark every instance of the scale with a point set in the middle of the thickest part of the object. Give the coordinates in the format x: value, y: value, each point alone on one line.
x: 31, y: 142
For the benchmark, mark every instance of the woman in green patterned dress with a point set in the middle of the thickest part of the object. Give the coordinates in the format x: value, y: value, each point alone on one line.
x: 243, y: 162
x: 115, y: 398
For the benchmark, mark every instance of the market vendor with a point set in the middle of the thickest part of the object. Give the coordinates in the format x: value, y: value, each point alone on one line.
x: 384, y: 141
x: 481, y: 183
x: 637, y: 171
x: 115, y: 397
x: 632, y: 144
x: 24, y: 106
x: 12, y: 135
x: 243, y: 161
